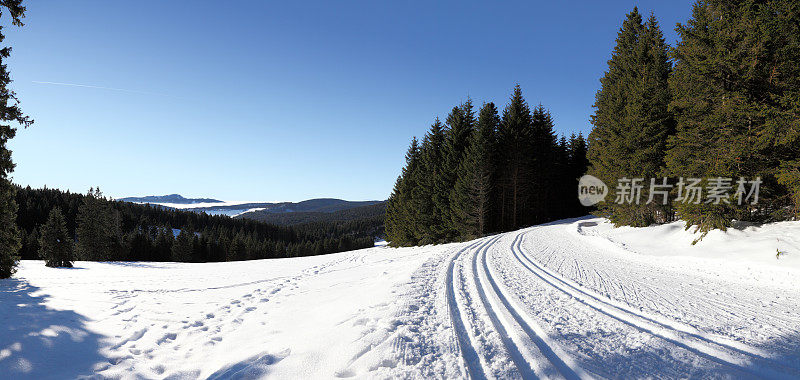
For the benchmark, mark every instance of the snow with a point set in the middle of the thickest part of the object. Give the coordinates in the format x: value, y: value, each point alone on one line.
x: 570, y: 299
x: 240, y: 212
x: 742, y: 243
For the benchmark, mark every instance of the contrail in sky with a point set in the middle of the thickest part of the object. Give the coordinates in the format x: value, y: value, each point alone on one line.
x: 101, y: 88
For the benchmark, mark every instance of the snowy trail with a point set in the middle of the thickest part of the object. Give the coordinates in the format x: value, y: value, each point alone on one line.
x: 513, y: 338
x: 566, y: 300
x: 723, y: 351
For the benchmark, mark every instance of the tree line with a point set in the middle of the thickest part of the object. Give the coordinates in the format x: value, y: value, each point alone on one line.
x: 475, y: 174
x: 61, y: 227
x: 371, y: 214
x: 723, y: 103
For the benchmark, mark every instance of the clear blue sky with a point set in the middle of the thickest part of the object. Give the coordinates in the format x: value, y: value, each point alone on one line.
x: 268, y: 101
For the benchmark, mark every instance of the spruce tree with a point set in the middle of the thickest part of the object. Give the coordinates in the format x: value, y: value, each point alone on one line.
x: 736, y: 87
x: 182, y: 247
x: 631, y: 119
x: 402, y: 227
x: 432, y: 196
x: 238, y: 249
x: 163, y: 244
x: 577, y: 167
x: 543, y: 180
x: 98, y: 229
x: 10, y: 114
x: 471, y: 198
x: 561, y: 181
x: 55, y: 244
x: 514, y: 166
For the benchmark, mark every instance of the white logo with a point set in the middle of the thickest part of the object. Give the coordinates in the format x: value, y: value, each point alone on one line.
x: 591, y: 190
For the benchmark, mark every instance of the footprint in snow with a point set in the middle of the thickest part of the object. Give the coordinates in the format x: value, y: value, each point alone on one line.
x: 167, y: 337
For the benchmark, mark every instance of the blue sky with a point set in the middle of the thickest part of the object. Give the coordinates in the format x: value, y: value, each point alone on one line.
x: 274, y: 101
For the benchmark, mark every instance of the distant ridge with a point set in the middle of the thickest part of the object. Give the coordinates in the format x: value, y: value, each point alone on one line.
x: 171, y: 198
x: 369, y: 212
x: 217, y: 207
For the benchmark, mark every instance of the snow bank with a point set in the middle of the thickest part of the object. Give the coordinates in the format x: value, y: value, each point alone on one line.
x: 741, y: 244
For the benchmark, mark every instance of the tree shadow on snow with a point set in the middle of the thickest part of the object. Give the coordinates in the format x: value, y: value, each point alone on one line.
x: 37, y: 342
x: 136, y: 264
x: 654, y: 359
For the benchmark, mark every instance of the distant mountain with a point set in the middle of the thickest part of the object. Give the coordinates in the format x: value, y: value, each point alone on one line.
x: 318, y: 205
x: 172, y: 198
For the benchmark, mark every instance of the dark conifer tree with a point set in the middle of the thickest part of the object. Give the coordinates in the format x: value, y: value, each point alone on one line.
x: 433, y: 194
x: 631, y: 120
x: 182, y: 247
x: 98, y: 230
x: 577, y: 167
x: 30, y: 246
x: 238, y: 250
x: 402, y: 219
x: 736, y: 91
x: 562, y: 180
x: 10, y: 115
x: 544, y: 169
x: 163, y: 245
x: 514, y: 142
x: 55, y: 244
x: 471, y: 198
x: 460, y: 126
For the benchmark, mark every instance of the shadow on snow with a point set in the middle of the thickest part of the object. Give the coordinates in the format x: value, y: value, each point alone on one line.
x: 37, y: 342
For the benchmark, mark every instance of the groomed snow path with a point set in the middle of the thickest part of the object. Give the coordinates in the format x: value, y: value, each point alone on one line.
x: 554, y: 301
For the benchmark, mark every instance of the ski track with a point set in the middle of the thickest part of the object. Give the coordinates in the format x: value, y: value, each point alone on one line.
x: 723, y: 351
x: 492, y: 325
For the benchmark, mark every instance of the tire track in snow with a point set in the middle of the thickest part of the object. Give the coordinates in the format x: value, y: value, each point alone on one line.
x: 730, y: 354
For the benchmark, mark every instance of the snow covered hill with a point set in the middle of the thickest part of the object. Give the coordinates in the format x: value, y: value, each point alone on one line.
x: 237, y: 208
x: 571, y: 299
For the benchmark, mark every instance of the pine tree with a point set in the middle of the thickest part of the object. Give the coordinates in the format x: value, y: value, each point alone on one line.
x: 182, y: 247
x: 460, y: 126
x: 10, y: 114
x: 578, y: 165
x: 164, y: 243
x: 631, y: 120
x: 561, y: 181
x: 432, y: 196
x: 736, y: 87
x: 55, y: 244
x: 471, y: 198
x: 514, y: 142
x: 402, y: 219
x: 544, y: 169
x: 98, y: 229
x: 238, y: 249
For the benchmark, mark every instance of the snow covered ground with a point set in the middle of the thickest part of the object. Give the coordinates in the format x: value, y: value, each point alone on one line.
x: 571, y: 299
